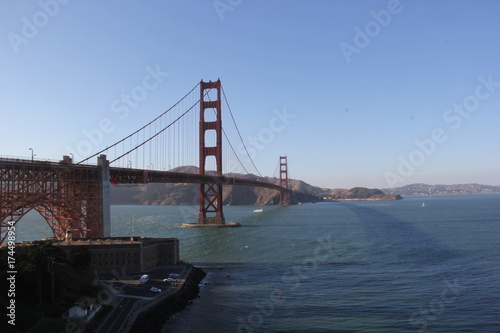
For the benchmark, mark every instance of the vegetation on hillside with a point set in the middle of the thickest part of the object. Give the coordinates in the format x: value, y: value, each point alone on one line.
x: 363, y: 193
x: 47, y: 283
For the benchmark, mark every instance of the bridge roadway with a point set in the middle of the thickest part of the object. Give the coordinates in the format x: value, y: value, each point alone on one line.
x: 127, y: 175
x: 136, y: 176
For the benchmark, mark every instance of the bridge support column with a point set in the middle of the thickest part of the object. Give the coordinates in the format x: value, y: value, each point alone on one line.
x: 103, y: 164
x: 284, y: 195
x: 211, y: 206
x: 210, y: 194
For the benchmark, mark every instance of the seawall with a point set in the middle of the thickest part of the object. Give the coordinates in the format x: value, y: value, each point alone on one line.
x: 153, y: 319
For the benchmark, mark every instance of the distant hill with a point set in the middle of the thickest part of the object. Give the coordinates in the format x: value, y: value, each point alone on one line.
x: 359, y: 193
x: 187, y: 194
x: 425, y: 189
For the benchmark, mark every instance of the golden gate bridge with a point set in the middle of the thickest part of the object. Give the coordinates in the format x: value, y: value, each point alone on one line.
x: 75, y: 196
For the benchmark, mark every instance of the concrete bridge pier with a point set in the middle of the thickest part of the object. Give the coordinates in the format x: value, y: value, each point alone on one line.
x: 103, y: 165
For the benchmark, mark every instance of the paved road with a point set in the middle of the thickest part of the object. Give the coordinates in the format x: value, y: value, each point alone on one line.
x: 115, y: 321
x: 132, y: 291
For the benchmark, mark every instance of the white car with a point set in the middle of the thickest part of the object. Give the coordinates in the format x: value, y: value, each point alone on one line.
x: 156, y: 290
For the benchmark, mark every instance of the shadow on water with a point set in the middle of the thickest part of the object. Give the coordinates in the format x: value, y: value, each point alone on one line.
x: 388, y: 233
x: 384, y: 274
x: 403, y: 254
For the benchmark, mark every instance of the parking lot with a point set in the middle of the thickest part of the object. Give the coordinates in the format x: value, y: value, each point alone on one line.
x: 160, y: 280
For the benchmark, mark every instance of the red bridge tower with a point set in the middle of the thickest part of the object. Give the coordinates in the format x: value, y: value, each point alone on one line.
x: 284, y: 195
x: 210, y: 194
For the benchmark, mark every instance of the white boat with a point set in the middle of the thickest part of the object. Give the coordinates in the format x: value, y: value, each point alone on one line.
x: 258, y: 210
x: 423, y: 204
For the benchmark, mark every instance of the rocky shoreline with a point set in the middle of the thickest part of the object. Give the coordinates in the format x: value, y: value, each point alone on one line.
x: 154, y: 319
x: 382, y: 198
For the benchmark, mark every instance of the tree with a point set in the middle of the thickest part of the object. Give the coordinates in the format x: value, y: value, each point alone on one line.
x: 79, y: 256
x: 34, y: 261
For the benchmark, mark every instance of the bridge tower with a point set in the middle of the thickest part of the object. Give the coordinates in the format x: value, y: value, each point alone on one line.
x: 284, y: 195
x: 210, y: 194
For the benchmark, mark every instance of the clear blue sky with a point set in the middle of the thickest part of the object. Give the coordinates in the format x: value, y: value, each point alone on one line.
x: 363, y: 79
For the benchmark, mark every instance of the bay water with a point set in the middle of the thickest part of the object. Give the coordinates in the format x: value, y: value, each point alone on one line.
x: 421, y: 264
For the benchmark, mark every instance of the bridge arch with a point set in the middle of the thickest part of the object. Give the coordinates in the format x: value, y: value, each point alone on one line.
x: 67, y: 196
x: 59, y: 211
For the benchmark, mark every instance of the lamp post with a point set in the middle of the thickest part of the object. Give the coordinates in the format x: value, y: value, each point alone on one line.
x: 32, y: 156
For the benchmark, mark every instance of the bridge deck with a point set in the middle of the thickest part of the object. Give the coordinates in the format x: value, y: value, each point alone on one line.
x: 136, y: 176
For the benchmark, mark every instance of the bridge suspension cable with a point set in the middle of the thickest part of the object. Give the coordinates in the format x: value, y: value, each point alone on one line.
x: 239, y: 135
x: 275, y: 173
x: 140, y: 129
x: 227, y: 168
x: 171, y: 140
x: 151, y: 137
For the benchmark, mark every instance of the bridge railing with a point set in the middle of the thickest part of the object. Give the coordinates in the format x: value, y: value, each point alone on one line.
x: 137, y: 176
x: 24, y: 159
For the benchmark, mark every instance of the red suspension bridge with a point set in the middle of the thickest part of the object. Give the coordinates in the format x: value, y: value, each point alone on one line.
x: 75, y: 196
